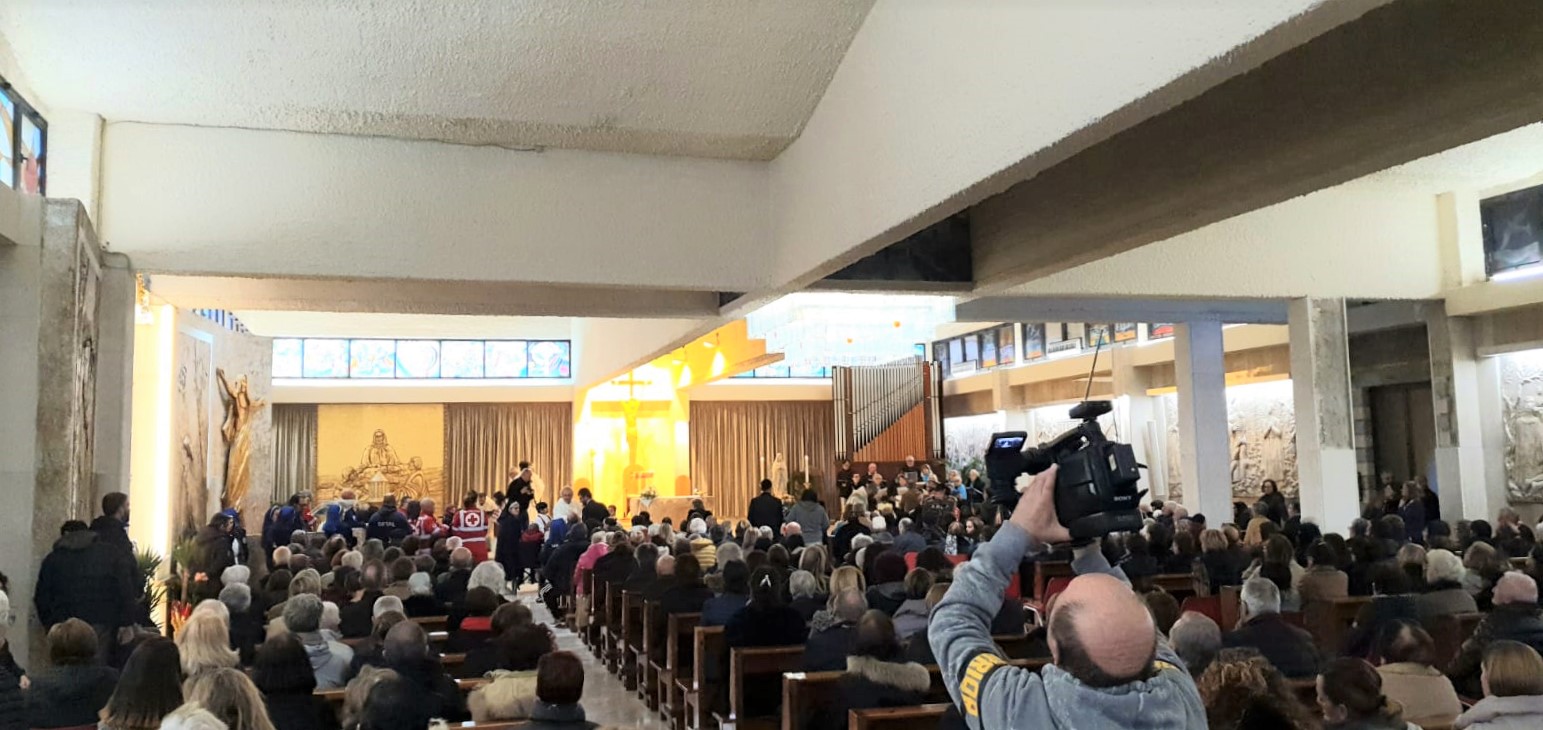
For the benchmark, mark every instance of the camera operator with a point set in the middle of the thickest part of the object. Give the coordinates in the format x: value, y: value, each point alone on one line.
x: 1111, y: 668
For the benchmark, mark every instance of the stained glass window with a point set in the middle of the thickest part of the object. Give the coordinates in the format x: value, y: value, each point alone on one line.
x: 326, y: 359
x: 506, y: 359
x: 421, y: 359
x: 7, y: 125
x: 371, y: 358
x: 417, y: 358
x: 286, y: 358
x: 460, y: 359
x: 32, y: 157
x: 549, y: 359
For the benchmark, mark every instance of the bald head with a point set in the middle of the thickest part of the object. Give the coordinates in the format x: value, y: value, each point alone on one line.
x: 1516, y: 587
x: 850, y: 605
x: 406, y: 642
x: 665, y: 566
x: 1102, y: 633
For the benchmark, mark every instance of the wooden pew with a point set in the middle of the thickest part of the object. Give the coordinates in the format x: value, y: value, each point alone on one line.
x: 1448, y: 633
x: 1330, y: 621
x: 631, y: 645
x: 647, y: 668
x: 334, y: 697
x: 611, y: 637
x: 701, y: 692
x: 1044, y: 572
x: 454, y: 664
x: 1231, y: 607
x: 803, y: 693
x: 920, y: 717
x: 754, y: 665
x: 1179, y: 585
x: 680, y: 628
x: 432, y: 623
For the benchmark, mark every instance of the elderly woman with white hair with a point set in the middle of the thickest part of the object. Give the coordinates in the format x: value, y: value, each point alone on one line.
x: 1444, y: 594
x: 807, y: 598
x: 246, y: 623
x: 236, y: 574
x: 421, y: 601
x: 697, y: 527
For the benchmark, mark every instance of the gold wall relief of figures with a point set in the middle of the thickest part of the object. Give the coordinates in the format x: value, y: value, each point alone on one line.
x: 376, y: 450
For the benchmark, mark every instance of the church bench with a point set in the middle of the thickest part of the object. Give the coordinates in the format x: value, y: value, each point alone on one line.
x: 432, y: 623
x: 679, y: 630
x: 804, y: 693
x: 1044, y: 572
x: 701, y: 690
x: 1330, y: 621
x: 647, y: 668
x: 611, y: 640
x: 918, y: 717
x: 631, y: 656
x: 1448, y: 633
x: 334, y: 697
x: 754, y: 665
x: 1179, y: 585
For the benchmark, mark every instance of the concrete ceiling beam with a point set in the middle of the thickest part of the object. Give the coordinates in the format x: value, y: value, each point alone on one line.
x: 1072, y: 309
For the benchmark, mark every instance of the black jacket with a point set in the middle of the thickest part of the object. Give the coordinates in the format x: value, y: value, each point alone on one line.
x: 766, y: 511
x: 559, y: 567
x: 677, y: 598
x: 451, y: 587
x: 870, y: 683
x: 770, y: 626
x: 594, y: 513
x: 112, y: 531
x: 841, y: 540
x: 247, y: 631
x: 441, y: 696
x: 87, y: 578
x: 421, y: 606
x: 808, y: 607
x: 299, y: 711
x: 69, y: 696
x: 1289, y: 648
x: 13, y: 705
x: 388, y: 526
x: 829, y: 644
x: 1508, y: 621
x: 356, y: 618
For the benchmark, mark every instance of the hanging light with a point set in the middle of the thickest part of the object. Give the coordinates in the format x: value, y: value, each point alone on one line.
x: 824, y: 329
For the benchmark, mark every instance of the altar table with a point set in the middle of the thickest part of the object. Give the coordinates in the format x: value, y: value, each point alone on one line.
x: 673, y: 507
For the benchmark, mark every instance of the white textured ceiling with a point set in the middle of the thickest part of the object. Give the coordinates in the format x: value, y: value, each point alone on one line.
x: 715, y: 78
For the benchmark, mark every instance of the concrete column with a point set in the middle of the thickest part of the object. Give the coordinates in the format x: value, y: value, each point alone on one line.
x: 1457, y: 390
x: 114, y: 376
x: 1140, y: 416
x: 1320, y: 378
x: 1201, y: 372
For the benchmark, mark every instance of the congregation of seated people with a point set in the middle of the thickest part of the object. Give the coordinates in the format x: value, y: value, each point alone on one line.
x: 917, y: 581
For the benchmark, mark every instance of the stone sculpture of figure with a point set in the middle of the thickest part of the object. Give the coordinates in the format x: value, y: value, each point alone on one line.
x: 240, y: 408
x: 1524, y: 452
x: 779, y: 473
x: 380, y: 455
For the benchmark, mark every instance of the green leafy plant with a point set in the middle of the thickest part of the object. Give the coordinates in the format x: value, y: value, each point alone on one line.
x: 152, y: 593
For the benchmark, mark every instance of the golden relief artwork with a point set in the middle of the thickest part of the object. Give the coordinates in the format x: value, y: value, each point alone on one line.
x: 361, y: 448
x: 240, y: 408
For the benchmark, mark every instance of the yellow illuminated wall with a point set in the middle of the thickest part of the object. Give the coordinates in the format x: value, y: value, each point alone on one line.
x: 410, y: 465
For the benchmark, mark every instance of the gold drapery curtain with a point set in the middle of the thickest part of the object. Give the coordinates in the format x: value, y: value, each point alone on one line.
x: 730, y: 439
x: 483, y: 441
x: 294, y: 450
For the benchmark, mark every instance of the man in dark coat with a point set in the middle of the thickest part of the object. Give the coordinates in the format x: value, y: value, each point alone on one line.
x: 451, y: 586
x: 766, y: 509
x: 594, y: 513
x: 89, y: 579
x: 1516, y: 617
x: 388, y: 525
x: 1289, y: 648
x: 559, y: 567
x: 213, y: 552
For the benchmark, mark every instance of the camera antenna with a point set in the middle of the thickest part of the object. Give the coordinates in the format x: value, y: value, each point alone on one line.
x: 1093, y: 368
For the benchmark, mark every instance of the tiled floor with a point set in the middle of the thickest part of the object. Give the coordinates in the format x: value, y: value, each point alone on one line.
x: 605, y: 700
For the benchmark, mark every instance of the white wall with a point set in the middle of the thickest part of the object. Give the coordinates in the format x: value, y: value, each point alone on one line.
x: 939, y: 101
x: 1363, y: 239
x: 603, y: 348
x: 204, y: 200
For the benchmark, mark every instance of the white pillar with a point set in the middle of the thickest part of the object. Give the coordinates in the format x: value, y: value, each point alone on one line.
x: 1139, y: 427
x: 114, y: 376
x: 1457, y: 391
x: 1320, y: 378
x: 1204, y: 442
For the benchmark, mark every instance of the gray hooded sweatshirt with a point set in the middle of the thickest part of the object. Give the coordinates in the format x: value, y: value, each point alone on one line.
x: 993, y: 695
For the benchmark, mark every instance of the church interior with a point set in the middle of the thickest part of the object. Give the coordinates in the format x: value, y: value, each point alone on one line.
x: 664, y: 250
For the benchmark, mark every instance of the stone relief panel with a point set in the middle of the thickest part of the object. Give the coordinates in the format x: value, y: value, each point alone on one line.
x: 1261, y: 423
x: 1521, y: 393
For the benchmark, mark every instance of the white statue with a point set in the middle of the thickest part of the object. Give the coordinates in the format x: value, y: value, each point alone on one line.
x: 779, y: 473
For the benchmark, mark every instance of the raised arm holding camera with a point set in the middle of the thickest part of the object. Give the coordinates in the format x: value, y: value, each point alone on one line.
x: 1111, y: 668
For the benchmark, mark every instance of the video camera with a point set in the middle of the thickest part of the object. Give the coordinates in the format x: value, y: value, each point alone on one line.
x: 1095, y: 490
